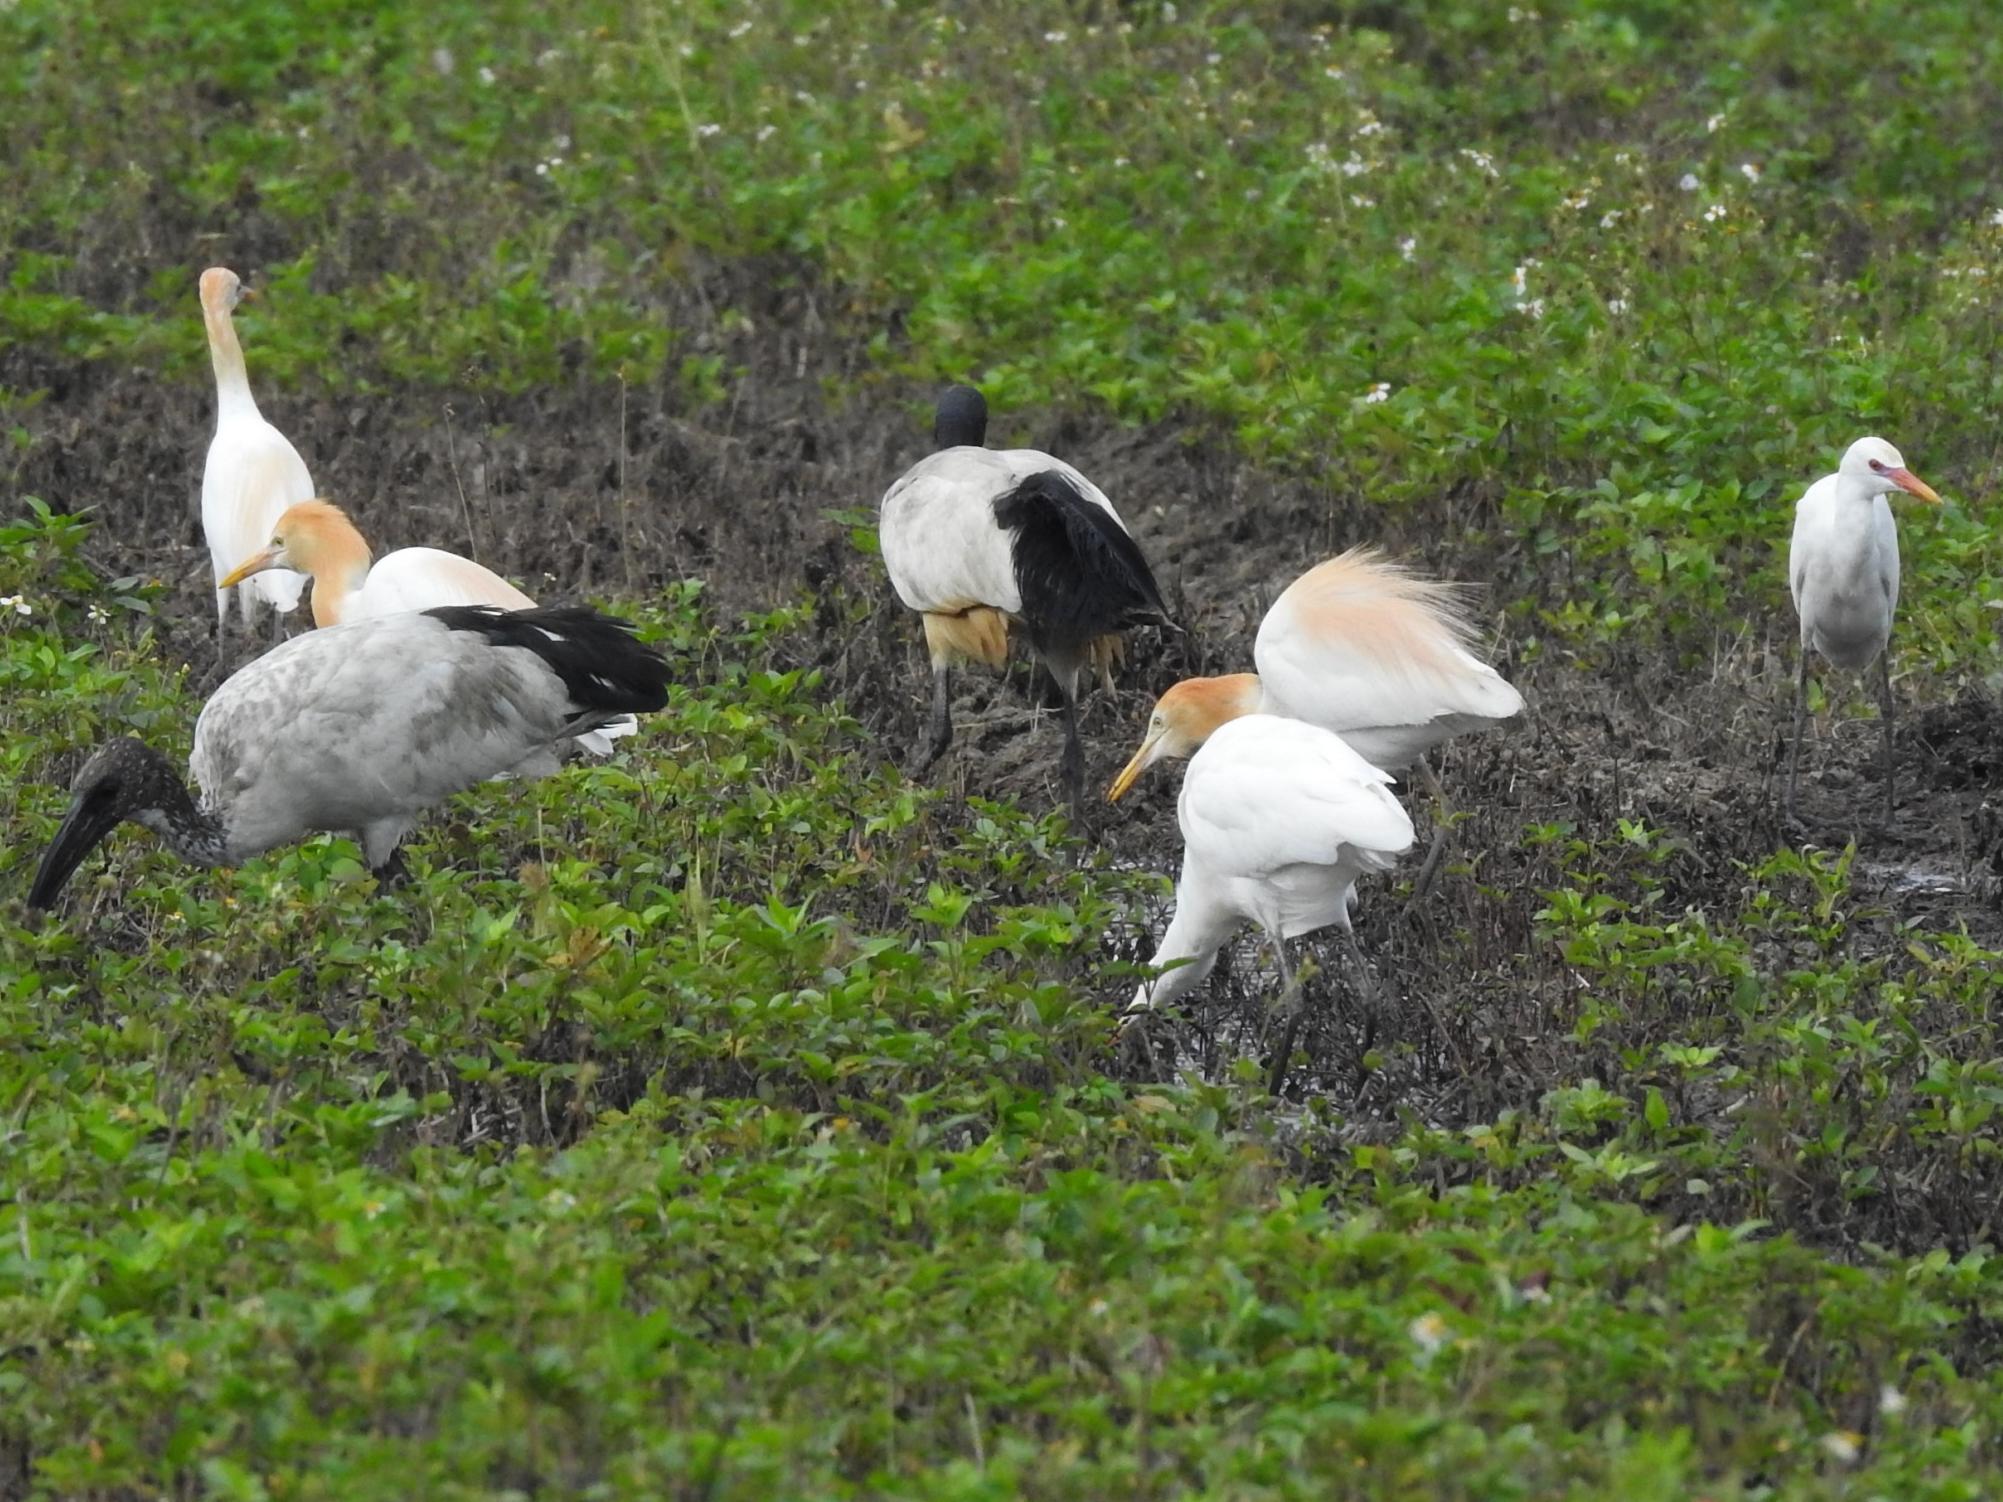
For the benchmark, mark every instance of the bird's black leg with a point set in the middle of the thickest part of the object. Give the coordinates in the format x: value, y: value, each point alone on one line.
x: 1072, y: 765
x: 940, y: 733
x: 1885, y: 710
x: 1800, y: 724
x: 1423, y: 774
x: 392, y: 872
x: 1290, y: 1012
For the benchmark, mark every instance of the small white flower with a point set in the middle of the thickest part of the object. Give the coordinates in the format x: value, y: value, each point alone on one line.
x: 1481, y: 159
x: 1532, y: 309
x: 16, y: 604
x: 1335, y: 73
x: 1354, y: 166
x: 1750, y: 171
x: 542, y: 169
x: 739, y: 29
x: 1997, y: 218
x: 1055, y: 37
x: 1842, y: 1445
x: 1617, y: 306
x: 1370, y: 126
x: 1714, y: 213
x: 1357, y: 200
x: 709, y: 130
x: 1622, y: 158
x: 1519, y: 278
x: 765, y: 132
x: 1711, y: 125
x: 1119, y: 161
x: 1428, y: 1332
x: 560, y: 1200
x: 1578, y: 201
x: 1688, y: 182
x: 486, y: 74
x: 1380, y: 391
x: 1610, y: 218
x: 1213, y: 58
x: 99, y: 615
x: 1891, y: 1402
x: 441, y: 59
x: 1408, y: 247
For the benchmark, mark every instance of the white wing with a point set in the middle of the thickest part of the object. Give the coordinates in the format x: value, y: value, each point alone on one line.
x: 426, y: 578
x: 1264, y: 793
x: 1375, y: 652
x: 1886, y: 532
x: 252, y: 474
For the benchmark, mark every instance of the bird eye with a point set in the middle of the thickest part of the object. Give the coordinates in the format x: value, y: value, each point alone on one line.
x: 1880, y: 468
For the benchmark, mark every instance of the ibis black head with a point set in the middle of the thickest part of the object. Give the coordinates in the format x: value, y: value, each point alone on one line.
x: 124, y: 779
x: 961, y: 419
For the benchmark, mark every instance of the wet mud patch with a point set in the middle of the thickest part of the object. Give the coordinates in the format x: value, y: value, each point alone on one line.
x: 591, y: 490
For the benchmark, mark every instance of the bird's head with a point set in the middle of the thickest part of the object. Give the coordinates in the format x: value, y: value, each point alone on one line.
x: 124, y: 779
x: 1184, y: 718
x: 1877, y: 465
x: 961, y: 418
x: 222, y: 290
x: 314, y: 537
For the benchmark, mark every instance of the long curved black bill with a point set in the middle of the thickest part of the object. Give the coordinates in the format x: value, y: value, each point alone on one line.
x: 84, y: 826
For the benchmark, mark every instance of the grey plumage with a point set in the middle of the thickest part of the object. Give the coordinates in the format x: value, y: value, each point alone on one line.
x: 363, y: 727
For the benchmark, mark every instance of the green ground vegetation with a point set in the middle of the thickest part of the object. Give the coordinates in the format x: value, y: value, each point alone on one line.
x: 739, y: 1120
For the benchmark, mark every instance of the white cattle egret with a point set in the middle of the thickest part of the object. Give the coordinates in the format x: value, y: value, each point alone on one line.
x: 1843, y: 571
x: 317, y: 538
x: 1279, y: 818
x: 363, y: 727
x: 253, y: 472
x: 1362, y: 646
x: 981, y: 540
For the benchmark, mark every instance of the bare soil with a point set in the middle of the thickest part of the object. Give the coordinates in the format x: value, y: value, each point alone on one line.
x: 594, y: 490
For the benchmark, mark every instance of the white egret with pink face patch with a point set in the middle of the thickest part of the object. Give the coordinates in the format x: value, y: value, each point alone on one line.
x: 1843, y: 572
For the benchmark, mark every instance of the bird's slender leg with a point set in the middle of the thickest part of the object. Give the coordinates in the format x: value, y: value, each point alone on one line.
x: 1073, y: 763
x: 940, y: 734
x: 1291, y: 1008
x: 1366, y: 988
x: 1885, y: 711
x: 1423, y: 772
x: 1800, y: 725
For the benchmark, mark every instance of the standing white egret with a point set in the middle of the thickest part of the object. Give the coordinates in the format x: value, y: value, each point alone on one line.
x: 980, y: 540
x: 253, y: 472
x: 319, y: 540
x: 1843, y: 571
x: 1279, y: 819
x: 1360, y: 645
x: 363, y: 727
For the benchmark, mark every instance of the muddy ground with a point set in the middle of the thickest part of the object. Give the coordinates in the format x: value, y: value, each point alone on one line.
x: 591, y: 490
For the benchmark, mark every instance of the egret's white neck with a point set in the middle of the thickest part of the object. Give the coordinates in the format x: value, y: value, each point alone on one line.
x: 1857, y: 491
x: 1196, y: 933
x: 233, y: 398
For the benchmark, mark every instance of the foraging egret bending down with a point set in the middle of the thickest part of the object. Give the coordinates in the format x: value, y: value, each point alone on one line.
x: 1279, y: 818
x: 253, y: 472
x: 363, y: 727
x: 1359, y: 645
x: 1843, y: 571
x: 317, y: 538
x: 978, y: 540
